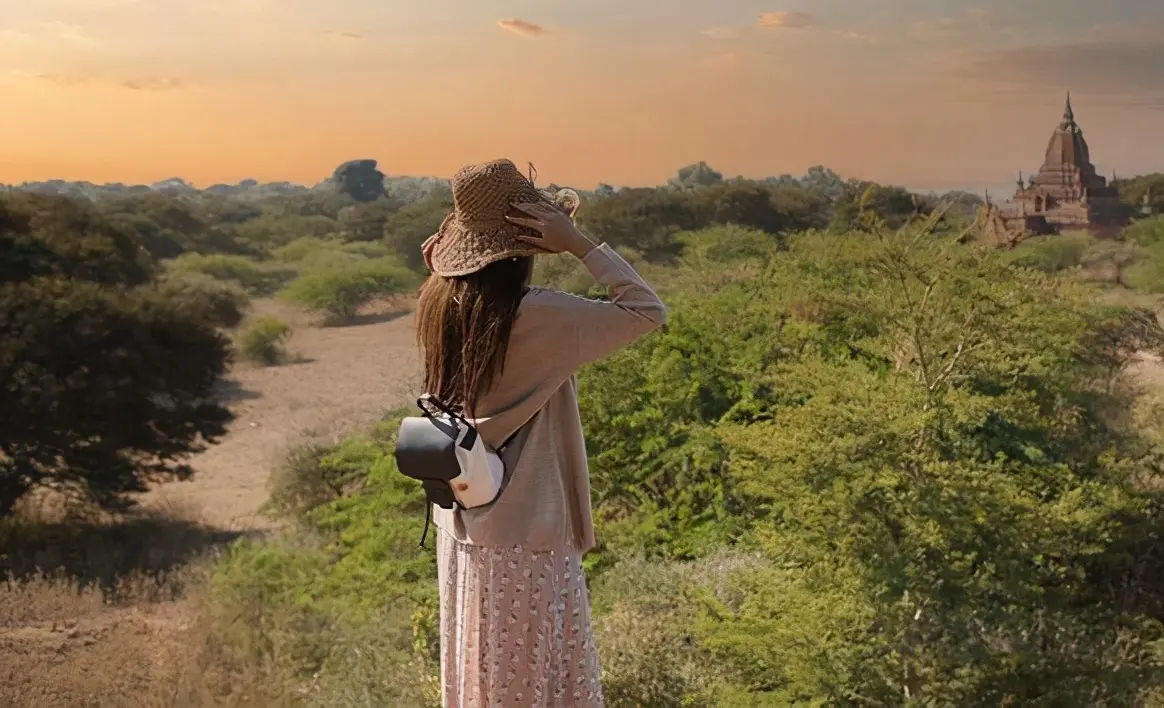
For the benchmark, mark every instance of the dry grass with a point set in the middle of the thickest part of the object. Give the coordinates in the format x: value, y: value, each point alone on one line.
x: 102, y: 613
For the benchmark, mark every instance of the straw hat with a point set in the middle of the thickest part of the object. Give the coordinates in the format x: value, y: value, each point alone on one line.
x: 476, y: 233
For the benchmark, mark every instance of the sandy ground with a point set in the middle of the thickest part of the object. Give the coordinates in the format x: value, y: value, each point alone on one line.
x: 340, y: 381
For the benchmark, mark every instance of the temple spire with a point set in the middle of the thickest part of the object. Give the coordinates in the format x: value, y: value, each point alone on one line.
x: 1068, y: 114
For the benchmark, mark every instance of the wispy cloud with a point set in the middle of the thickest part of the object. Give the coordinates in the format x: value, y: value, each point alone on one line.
x: 154, y: 84
x: 785, y: 19
x: 144, y: 83
x: 345, y: 36
x: 64, y: 80
x: 523, y: 28
x: 721, y: 33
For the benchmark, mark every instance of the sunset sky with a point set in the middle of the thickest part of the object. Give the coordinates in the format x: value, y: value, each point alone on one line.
x: 932, y: 94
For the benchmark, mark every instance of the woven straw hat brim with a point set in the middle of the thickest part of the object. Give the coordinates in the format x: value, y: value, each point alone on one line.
x: 461, y: 249
x: 476, y: 233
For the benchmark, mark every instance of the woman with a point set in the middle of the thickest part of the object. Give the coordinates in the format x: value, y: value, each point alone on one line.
x: 515, y: 616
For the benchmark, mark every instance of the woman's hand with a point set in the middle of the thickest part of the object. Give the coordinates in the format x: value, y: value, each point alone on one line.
x: 558, y: 232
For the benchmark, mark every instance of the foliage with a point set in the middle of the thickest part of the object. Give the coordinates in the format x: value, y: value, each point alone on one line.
x: 280, y: 224
x: 353, y: 613
x: 699, y: 174
x: 314, y: 254
x: 1146, y: 232
x: 1132, y: 192
x: 871, y: 467
x: 46, y: 236
x: 920, y: 440
x: 860, y: 465
x: 648, y: 220
x: 894, y: 205
x: 168, y: 226
x: 217, y: 302
x: 1112, y: 259
x: 252, y: 276
x: 263, y: 341
x: 106, y: 387
x: 1145, y: 239
x: 360, y: 180
x: 339, y: 290
x: 408, y: 228
x: 1052, y: 254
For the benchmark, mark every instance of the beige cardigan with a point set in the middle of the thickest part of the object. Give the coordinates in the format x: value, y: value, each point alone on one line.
x: 545, y: 503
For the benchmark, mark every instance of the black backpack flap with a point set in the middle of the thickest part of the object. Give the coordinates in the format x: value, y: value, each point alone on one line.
x: 425, y: 449
x: 440, y: 493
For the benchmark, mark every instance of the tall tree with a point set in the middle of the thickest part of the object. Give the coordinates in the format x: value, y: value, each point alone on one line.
x: 360, y: 180
x: 106, y: 380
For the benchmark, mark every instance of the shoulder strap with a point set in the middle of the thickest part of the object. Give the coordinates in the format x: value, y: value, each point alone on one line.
x: 430, y: 405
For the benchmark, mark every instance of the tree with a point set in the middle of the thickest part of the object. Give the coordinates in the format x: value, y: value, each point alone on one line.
x: 55, y: 236
x: 699, y: 174
x: 1132, y: 192
x: 408, y: 228
x: 360, y: 180
x: 893, y: 205
x: 106, y: 381
x: 743, y: 203
x: 823, y: 181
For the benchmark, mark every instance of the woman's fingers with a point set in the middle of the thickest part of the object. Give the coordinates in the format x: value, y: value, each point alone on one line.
x: 533, y: 208
x: 535, y: 240
x: 529, y: 223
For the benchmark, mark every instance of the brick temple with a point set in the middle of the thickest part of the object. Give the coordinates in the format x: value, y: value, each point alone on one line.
x: 1067, y: 193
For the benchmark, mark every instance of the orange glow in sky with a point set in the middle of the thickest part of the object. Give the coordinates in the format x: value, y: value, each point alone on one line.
x: 936, y: 94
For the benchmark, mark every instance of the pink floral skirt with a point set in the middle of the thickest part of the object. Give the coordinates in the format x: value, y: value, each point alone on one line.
x: 515, y: 628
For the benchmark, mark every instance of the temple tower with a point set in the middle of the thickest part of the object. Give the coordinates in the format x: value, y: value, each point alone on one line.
x: 1066, y: 192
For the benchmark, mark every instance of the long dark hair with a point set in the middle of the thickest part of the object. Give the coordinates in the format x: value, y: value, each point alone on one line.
x: 463, y: 326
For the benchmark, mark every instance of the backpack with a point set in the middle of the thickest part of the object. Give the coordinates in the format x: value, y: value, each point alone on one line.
x: 443, y: 451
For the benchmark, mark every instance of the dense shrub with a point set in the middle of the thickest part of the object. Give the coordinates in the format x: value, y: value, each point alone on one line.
x: 263, y: 341
x: 251, y: 275
x: 1146, y: 232
x: 220, y: 303
x: 303, y: 248
x: 921, y: 442
x: 408, y: 228
x: 339, y: 290
x: 1052, y: 254
x: 106, y: 387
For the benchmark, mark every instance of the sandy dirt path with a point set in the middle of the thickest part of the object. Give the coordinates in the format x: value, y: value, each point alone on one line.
x: 344, y: 380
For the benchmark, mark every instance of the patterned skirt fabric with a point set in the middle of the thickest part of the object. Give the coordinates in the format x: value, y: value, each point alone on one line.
x: 515, y: 628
